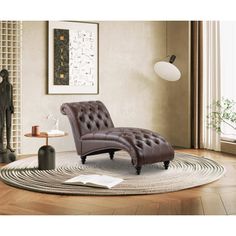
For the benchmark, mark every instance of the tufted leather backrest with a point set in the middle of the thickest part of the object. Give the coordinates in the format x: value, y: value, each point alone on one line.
x: 87, y: 117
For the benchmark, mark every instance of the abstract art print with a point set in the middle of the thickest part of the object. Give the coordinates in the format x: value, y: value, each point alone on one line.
x: 72, y: 57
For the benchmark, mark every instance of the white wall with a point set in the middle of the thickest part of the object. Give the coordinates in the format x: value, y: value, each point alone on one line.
x: 178, y: 97
x: 133, y: 93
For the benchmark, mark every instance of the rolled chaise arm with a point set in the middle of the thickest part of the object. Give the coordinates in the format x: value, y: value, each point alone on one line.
x: 67, y: 110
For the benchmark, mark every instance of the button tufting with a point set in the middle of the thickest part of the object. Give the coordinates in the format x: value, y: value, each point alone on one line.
x: 157, y: 141
x: 138, y: 137
x: 148, y: 142
x: 139, y: 144
x: 163, y: 140
x: 81, y: 118
x: 88, y: 125
x: 91, y: 117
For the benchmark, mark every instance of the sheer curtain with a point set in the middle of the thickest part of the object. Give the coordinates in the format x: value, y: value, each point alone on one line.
x: 211, y: 80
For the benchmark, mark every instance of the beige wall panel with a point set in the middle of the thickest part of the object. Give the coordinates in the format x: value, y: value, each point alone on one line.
x: 133, y: 93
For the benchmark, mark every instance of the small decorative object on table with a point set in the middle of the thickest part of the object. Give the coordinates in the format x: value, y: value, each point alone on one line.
x: 46, y: 154
x: 35, y: 130
x: 55, y: 130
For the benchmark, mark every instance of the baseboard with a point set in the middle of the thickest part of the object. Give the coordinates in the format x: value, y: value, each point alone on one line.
x: 35, y: 154
x: 178, y: 147
x: 228, y: 147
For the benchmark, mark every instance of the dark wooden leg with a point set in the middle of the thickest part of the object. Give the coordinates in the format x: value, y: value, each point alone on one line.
x: 166, y: 164
x: 138, y: 169
x: 83, y: 159
x: 111, y: 155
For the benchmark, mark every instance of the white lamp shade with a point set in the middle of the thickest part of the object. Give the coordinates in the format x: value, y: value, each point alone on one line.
x: 167, y: 71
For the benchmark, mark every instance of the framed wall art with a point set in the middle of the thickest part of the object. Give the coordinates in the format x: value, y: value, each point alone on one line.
x: 72, y: 57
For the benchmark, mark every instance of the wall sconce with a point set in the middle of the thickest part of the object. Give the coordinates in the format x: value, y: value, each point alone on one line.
x: 167, y: 70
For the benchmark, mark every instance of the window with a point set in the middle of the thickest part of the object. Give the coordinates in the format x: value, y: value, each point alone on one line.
x: 228, y: 67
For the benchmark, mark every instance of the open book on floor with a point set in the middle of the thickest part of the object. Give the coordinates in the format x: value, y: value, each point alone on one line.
x: 99, y: 181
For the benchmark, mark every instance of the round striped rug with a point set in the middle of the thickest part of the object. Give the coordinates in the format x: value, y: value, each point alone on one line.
x: 185, y: 171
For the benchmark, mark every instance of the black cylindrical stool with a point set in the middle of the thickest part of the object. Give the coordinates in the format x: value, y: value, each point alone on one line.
x: 46, y: 158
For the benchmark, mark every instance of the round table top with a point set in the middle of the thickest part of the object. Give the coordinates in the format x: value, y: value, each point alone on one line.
x: 45, y: 135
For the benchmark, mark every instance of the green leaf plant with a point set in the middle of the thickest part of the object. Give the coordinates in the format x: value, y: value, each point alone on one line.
x: 222, y: 111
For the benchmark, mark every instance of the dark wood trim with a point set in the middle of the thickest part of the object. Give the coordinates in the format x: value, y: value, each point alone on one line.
x: 196, y: 83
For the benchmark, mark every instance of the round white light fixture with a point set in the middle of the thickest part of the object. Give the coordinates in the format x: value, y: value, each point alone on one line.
x: 167, y: 70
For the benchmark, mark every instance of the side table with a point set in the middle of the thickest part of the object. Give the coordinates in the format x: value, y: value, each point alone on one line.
x: 46, y: 153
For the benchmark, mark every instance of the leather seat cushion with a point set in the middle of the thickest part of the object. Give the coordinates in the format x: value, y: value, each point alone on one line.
x: 148, y: 146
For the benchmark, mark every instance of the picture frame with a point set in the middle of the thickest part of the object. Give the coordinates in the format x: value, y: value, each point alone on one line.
x: 73, y: 57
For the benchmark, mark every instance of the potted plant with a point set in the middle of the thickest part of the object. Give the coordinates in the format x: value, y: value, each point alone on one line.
x: 221, y: 112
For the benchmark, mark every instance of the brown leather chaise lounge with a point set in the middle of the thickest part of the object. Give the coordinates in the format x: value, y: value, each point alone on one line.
x: 94, y: 133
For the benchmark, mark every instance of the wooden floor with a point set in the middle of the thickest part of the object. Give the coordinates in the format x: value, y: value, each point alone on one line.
x: 217, y: 198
